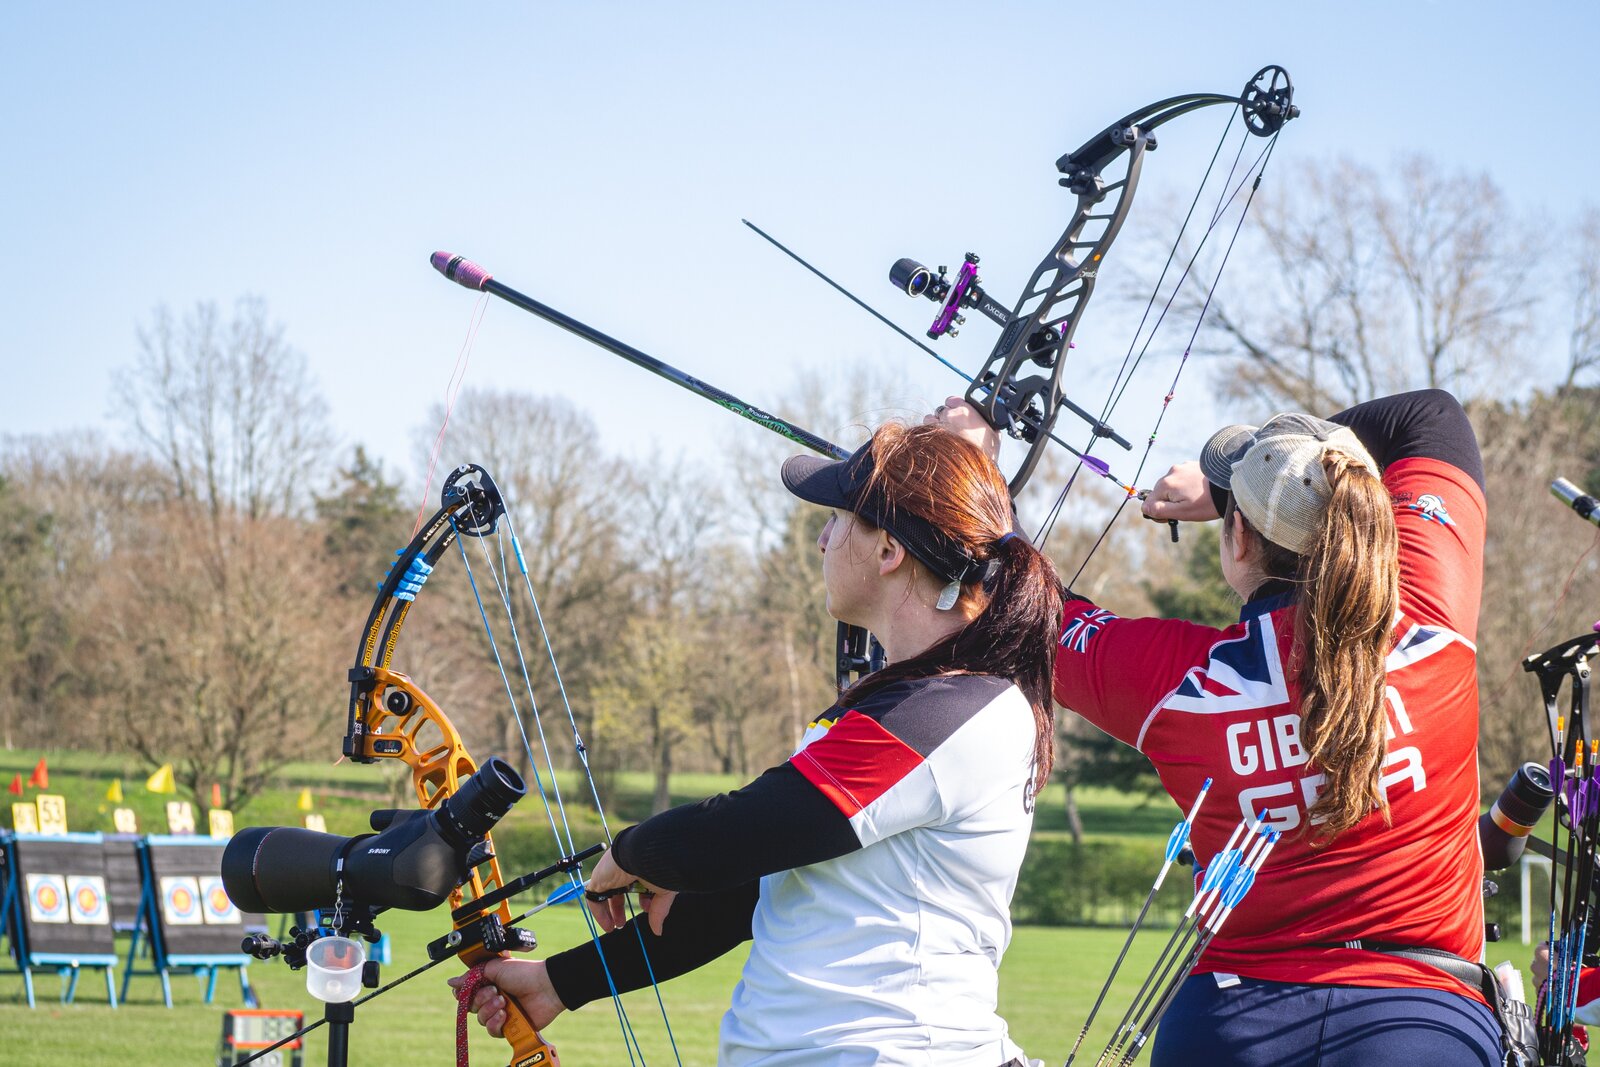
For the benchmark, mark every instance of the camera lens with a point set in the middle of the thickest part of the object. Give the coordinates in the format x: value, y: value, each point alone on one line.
x: 910, y: 277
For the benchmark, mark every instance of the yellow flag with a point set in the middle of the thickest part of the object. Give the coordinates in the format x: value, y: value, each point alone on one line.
x: 162, y: 781
x: 305, y: 803
x: 114, y: 794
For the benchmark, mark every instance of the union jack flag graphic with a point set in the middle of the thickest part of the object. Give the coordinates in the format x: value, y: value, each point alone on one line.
x: 1075, y: 638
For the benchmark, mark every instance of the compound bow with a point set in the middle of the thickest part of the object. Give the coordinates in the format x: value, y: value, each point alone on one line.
x: 391, y: 718
x: 1019, y: 388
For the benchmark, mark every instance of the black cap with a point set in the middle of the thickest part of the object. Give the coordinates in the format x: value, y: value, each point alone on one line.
x: 842, y: 483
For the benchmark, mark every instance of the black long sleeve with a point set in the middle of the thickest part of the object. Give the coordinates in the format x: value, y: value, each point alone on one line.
x: 1427, y: 423
x: 699, y: 928
x: 776, y: 823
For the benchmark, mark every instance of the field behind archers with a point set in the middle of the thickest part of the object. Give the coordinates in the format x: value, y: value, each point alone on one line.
x: 1050, y: 976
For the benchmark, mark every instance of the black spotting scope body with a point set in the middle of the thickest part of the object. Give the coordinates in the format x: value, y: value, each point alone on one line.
x: 413, y: 861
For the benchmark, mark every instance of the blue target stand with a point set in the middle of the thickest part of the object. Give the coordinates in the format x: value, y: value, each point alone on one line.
x: 185, y: 920
x: 54, y: 909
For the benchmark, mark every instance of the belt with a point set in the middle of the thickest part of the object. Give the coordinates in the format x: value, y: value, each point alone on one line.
x: 1470, y: 974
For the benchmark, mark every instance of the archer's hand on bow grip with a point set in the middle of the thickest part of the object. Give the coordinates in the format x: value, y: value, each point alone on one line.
x: 528, y: 1048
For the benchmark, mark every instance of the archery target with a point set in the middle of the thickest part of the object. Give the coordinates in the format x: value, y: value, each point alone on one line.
x: 180, y: 901
x: 86, y: 899
x: 218, y: 908
x: 47, y: 898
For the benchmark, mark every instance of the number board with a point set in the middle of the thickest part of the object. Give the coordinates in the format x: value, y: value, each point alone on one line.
x: 247, y: 1029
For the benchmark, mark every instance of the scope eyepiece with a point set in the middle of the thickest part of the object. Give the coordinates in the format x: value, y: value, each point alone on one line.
x: 1503, y: 830
x: 911, y: 277
x: 482, y: 800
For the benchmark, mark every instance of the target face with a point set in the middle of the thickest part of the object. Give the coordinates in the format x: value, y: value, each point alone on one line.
x: 180, y: 901
x: 47, y: 898
x: 218, y: 907
x: 86, y: 899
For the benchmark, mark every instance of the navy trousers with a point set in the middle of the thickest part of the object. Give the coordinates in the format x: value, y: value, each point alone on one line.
x: 1275, y: 1024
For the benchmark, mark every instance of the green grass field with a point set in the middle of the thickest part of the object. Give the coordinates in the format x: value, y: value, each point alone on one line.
x: 1048, y: 981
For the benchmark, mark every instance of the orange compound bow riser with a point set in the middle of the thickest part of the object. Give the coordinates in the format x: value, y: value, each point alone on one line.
x: 390, y: 717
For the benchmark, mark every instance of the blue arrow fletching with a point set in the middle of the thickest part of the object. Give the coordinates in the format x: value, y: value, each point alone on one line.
x: 1176, y: 841
x: 1221, y: 870
x: 1242, y: 881
x: 570, y: 891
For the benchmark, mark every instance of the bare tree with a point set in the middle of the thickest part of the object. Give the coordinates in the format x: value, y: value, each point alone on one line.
x: 228, y: 408
x: 216, y: 647
x: 1541, y: 564
x: 567, y: 501
x: 1583, y: 341
x: 675, y: 536
x: 82, y: 499
x: 1368, y: 284
x: 215, y: 622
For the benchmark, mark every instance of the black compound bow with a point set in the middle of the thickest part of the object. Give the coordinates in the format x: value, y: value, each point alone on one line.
x: 1019, y: 388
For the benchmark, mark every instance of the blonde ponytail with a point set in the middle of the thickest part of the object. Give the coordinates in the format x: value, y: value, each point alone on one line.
x: 1349, y: 592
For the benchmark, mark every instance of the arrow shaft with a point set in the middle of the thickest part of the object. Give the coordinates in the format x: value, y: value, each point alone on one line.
x: 672, y: 374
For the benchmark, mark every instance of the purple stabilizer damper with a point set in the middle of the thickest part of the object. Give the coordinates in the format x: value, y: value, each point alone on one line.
x: 462, y: 271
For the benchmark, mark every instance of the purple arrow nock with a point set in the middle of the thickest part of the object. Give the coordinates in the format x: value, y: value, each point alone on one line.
x: 459, y: 270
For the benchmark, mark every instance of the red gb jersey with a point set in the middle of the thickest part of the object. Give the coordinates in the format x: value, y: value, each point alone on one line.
x: 1202, y: 702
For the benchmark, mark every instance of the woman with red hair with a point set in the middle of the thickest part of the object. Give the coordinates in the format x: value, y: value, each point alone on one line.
x: 872, y: 872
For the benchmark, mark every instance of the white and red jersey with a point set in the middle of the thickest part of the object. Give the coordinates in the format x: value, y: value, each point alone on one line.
x: 1201, y: 702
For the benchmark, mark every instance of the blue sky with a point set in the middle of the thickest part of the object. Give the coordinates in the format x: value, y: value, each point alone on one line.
x: 599, y: 157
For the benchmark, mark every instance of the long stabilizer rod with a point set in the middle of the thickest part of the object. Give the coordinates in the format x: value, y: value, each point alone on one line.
x: 469, y: 274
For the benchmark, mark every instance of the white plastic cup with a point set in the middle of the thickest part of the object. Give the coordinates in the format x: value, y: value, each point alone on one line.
x: 333, y: 969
